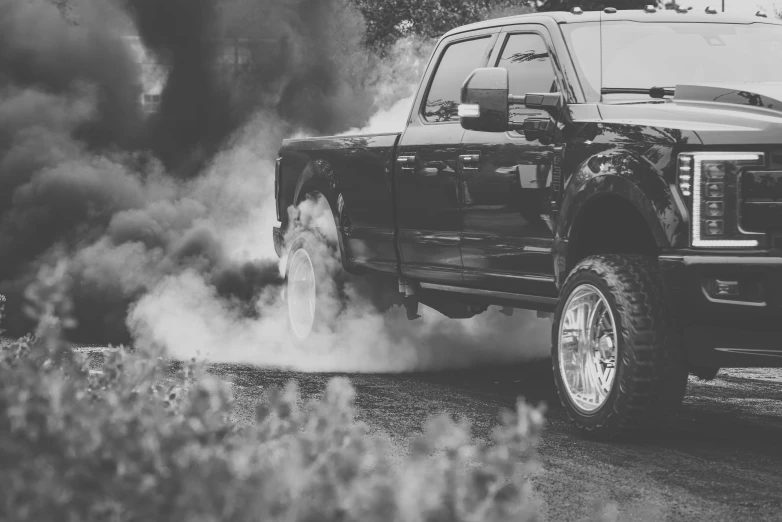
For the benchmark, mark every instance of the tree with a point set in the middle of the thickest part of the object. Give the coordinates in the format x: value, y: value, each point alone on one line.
x: 594, y: 5
x: 66, y: 8
x: 388, y: 20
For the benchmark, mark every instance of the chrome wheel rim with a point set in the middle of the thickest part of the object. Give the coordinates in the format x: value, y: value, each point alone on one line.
x: 301, y: 294
x: 587, y: 348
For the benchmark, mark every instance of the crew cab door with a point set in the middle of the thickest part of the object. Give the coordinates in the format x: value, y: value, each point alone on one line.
x: 428, y: 198
x: 507, y: 229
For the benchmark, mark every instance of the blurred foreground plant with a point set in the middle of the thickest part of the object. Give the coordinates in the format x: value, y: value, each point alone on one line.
x: 131, y: 443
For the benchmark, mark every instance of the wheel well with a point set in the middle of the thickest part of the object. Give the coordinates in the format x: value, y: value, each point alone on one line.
x: 609, y: 225
x: 322, y: 210
x: 329, y: 225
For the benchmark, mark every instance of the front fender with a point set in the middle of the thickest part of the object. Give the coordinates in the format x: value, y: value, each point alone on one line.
x: 627, y: 175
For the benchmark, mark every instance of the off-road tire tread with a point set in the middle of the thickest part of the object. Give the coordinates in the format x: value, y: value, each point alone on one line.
x: 652, y: 375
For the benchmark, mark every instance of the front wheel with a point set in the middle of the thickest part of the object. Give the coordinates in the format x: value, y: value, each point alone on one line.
x: 618, y: 361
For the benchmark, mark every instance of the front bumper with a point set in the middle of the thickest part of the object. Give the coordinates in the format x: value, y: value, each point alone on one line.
x: 730, y: 307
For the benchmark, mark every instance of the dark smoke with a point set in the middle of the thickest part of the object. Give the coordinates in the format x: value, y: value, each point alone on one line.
x: 196, y: 111
x: 66, y: 92
x: 308, y: 66
x: 131, y: 200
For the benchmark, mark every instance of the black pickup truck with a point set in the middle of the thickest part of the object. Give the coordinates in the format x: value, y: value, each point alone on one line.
x: 621, y: 170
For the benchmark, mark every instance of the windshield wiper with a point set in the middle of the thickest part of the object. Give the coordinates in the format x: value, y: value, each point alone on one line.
x: 654, y: 92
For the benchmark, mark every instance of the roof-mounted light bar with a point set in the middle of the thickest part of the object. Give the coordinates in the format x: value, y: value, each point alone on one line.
x: 649, y: 8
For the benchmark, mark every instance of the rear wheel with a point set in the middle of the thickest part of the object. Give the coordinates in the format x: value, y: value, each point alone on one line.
x: 302, y: 294
x: 311, y: 289
x: 318, y: 289
x: 618, y: 360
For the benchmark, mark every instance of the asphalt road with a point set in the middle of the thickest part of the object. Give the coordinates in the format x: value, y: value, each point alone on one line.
x: 721, y: 461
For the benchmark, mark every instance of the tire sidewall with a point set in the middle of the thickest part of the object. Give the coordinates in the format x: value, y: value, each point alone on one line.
x: 597, y: 418
x: 328, y: 274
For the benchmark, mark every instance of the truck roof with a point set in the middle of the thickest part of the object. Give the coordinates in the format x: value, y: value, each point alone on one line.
x: 660, y: 15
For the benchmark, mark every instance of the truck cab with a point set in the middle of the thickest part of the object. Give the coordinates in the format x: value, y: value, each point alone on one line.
x: 621, y: 170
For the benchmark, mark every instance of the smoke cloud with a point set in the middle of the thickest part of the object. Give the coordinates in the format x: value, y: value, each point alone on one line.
x: 166, y: 220
x: 357, y: 338
x: 309, y: 70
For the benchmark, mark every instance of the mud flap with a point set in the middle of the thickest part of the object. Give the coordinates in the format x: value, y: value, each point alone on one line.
x: 278, y: 241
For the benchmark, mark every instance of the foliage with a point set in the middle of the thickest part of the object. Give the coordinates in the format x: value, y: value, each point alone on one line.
x: 66, y: 9
x: 594, y: 5
x: 132, y: 442
x: 388, y: 20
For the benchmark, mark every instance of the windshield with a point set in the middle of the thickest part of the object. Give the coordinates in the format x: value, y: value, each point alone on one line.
x: 645, y: 55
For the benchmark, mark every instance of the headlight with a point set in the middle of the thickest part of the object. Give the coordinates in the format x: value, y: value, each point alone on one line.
x: 711, y: 180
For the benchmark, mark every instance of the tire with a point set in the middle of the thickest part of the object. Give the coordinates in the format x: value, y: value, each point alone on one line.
x: 313, y: 280
x: 649, y: 372
x: 312, y: 256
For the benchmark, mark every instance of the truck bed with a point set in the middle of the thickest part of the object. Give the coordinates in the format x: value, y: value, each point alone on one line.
x: 360, y: 169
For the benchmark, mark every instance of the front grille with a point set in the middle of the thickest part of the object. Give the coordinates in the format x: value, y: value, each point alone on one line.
x: 761, y: 201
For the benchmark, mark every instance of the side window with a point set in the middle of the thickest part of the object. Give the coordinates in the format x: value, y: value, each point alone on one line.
x: 526, y: 57
x: 456, y: 64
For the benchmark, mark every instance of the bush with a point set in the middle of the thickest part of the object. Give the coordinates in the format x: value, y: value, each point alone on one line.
x: 136, y: 442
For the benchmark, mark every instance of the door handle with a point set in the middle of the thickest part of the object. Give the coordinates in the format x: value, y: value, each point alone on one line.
x: 441, y: 168
x: 470, y: 161
x: 406, y: 163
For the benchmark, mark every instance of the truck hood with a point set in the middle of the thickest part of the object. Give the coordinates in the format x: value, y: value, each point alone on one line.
x: 762, y: 95
x: 719, y: 114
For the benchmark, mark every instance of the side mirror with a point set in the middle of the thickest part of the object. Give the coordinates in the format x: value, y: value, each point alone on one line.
x: 485, y: 100
x: 540, y: 127
x: 548, y: 101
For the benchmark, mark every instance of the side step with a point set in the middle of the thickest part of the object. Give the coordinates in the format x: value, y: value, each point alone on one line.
x: 532, y: 302
x: 458, y: 302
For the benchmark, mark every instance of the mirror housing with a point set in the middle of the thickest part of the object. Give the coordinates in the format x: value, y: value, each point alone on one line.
x: 485, y: 100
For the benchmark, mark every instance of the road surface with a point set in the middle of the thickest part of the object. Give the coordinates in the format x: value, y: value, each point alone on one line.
x: 721, y: 461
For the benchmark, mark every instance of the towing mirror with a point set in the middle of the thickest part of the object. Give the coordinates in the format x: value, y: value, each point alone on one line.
x: 548, y: 101
x: 485, y: 100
